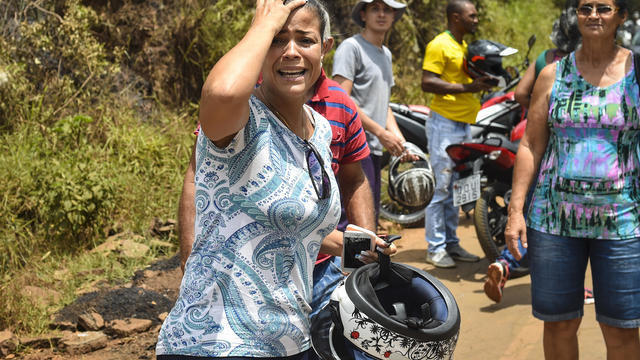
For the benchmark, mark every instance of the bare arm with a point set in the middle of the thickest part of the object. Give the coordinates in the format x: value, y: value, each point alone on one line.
x: 355, y: 193
x: 187, y: 211
x: 392, y: 125
x: 224, y: 107
x: 525, y: 86
x: 432, y: 83
x: 389, y: 140
x: 528, y: 157
x: 332, y: 244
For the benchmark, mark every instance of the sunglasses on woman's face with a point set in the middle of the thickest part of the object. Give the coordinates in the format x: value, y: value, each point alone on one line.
x: 601, y: 10
x: 318, y: 175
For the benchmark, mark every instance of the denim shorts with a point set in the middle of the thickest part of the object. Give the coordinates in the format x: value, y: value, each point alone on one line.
x: 558, y: 265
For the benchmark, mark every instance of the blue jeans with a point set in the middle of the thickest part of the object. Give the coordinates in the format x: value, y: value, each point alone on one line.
x: 558, y: 266
x: 441, y: 217
x: 326, y: 278
x: 507, y: 257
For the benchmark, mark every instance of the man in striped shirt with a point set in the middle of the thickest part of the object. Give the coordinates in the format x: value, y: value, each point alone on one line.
x: 349, y: 147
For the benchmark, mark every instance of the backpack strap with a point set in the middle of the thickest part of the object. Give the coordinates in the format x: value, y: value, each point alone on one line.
x: 541, y: 62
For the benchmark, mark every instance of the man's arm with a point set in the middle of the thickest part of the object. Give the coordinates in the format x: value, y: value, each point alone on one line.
x: 525, y: 86
x: 187, y: 211
x: 432, y: 83
x: 357, y: 198
x: 392, y: 125
x: 356, y: 195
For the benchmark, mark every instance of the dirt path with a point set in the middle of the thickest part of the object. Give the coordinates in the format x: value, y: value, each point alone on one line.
x: 493, y: 331
x: 488, y: 331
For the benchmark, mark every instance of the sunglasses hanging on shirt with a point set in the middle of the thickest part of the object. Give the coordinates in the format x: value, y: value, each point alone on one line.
x: 317, y: 173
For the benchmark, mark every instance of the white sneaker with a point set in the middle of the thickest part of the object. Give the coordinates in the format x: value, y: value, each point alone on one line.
x: 440, y: 259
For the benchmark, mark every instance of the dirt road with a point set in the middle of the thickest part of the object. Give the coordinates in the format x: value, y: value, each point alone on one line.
x: 494, y: 331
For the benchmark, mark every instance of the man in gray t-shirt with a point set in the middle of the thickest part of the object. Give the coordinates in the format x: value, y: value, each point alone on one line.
x: 362, y: 66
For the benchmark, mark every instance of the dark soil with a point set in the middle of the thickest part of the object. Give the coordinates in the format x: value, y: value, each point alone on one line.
x: 161, y: 265
x: 153, y: 291
x: 134, y: 302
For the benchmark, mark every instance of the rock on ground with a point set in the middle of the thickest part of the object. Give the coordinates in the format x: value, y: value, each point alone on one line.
x: 8, y: 342
x: 84, y: 342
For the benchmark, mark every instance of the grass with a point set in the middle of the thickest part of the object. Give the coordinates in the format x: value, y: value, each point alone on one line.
x: 63, y: 193
x: 69, y: 275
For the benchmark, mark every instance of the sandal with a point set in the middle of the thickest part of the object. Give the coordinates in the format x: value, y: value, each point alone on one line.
x: 497, y: 275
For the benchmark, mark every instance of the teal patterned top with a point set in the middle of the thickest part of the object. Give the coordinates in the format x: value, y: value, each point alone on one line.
x: 259, y: 223
x: 589, y: 184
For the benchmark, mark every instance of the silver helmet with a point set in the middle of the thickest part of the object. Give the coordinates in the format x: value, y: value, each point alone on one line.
x: 411, y: 184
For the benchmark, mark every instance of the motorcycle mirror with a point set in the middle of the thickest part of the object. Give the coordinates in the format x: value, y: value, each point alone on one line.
x: 530, y: 42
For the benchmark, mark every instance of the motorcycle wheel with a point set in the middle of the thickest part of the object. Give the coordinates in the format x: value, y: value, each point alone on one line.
x: 490, y: 219
x: 401, y: 215
x: 393, y: 211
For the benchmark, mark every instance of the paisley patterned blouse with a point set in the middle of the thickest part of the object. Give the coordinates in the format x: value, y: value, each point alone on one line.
x: 589, y: 182
x: 259, y: 223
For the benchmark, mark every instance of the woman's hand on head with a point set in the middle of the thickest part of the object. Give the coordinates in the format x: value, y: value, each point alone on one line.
x: 274, y: 13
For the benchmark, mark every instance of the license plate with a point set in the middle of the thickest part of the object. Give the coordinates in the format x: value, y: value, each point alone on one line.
x: 466, y: 190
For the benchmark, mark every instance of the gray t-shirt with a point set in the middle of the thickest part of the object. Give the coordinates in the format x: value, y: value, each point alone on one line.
x: 369, y: 67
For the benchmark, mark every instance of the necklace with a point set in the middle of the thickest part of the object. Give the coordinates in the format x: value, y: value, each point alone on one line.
x: 282, y: 118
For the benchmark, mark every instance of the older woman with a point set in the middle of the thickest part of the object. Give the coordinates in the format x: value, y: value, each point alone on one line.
x: 584, y: 136
x: 265, y: 195
x: 566, y: 37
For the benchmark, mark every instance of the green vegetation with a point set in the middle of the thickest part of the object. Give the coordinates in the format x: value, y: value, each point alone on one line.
x: 82, y: 154
x: 98, y: 100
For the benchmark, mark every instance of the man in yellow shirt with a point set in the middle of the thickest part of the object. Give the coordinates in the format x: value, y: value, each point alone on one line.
x: 453, y: 108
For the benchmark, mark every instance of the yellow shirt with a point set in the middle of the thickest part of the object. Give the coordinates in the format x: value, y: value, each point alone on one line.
x: 445, y: 56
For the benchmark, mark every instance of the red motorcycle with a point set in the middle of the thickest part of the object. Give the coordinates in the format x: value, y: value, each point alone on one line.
x: 485, y: 165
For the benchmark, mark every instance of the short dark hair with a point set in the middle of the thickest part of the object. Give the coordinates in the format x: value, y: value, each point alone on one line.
x: 456, y: 7
x: 622, y: 6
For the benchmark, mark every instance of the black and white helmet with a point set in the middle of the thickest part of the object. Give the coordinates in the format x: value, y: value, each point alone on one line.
x: 484, y: 58
x: 383, y: 312
x: 411, y: 184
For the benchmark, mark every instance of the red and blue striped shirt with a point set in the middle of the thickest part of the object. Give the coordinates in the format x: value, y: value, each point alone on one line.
x: 349, y: 142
